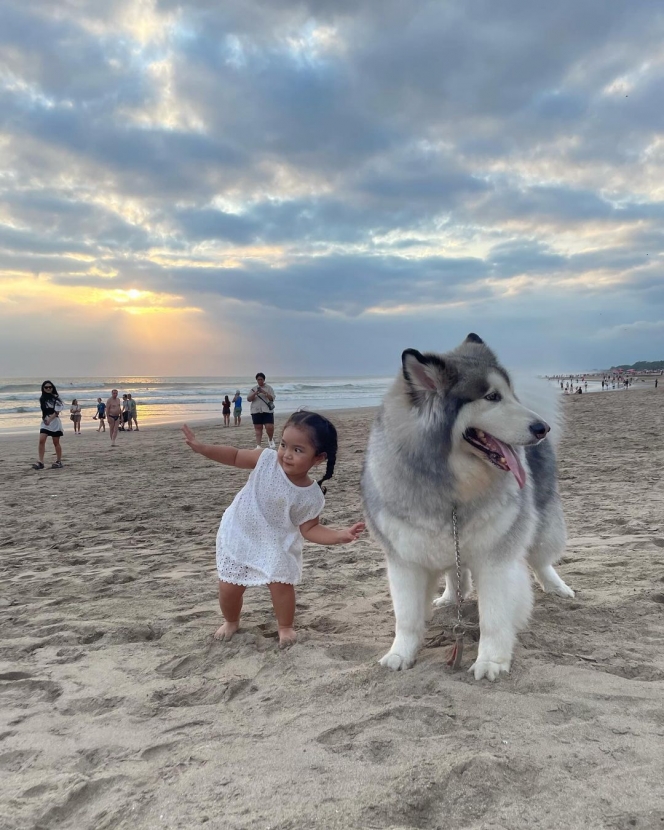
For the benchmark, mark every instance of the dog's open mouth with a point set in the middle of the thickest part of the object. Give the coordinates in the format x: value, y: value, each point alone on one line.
x: 497, y: 453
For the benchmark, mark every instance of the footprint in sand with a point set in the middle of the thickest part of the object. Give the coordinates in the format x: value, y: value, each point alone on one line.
x: 210, y: 693
x: 152, y: 753
x: 352, y: 652
x: 178, y: 667
x: 373, y: 736
x: 17, y: 759
x: 24, y: 693
x: 92, y: 705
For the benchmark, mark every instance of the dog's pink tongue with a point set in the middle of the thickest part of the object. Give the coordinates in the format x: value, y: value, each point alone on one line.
x: 512, y: 462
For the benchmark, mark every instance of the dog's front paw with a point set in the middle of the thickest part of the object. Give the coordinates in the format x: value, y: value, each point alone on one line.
x: 396, y: 662
x: 489, y: 668
x: 563, y: 590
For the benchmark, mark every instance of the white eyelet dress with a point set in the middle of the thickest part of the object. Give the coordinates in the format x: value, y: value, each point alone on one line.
x: 259, y: 539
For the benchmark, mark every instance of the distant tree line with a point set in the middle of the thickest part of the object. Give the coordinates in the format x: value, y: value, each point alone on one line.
x: 644, y: 366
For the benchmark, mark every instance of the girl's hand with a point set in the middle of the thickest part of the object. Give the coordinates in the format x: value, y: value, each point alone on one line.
x: 351, y: 534
x: 191, y: 439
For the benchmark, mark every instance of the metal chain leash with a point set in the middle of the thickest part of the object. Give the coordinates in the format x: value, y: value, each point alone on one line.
x: 457, y: 650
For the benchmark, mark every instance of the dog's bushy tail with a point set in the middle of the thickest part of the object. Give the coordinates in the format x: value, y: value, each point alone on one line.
x: 543, y: 398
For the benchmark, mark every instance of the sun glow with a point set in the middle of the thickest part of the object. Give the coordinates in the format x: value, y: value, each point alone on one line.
x: 133, y: 301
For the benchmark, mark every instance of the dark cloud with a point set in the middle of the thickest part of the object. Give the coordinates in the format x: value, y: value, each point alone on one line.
x: 343, y: 284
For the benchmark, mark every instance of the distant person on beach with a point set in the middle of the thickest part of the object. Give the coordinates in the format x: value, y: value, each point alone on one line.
x: 226, y: 411
x: 237, y: 408
x: 51, y: 426
x: 75, y: 414
x: 656, y: 379
x: 125, y: 426
x: 261, y: 399
x: 114, y: 413
x: 132, y: 412
x: 101, y: 415
x: 260, y: 536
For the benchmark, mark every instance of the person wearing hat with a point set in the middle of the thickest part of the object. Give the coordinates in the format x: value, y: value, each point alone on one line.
x: 237, y: 408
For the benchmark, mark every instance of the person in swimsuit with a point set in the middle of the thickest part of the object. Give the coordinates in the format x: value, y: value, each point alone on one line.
x: 101, y: 415
x: 114, y: 413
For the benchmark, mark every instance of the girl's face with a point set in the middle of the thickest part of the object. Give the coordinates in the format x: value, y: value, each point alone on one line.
x: 297, y: 454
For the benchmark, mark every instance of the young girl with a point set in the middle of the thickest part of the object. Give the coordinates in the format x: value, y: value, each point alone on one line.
x: 51, y: 425
x: 260, y: 537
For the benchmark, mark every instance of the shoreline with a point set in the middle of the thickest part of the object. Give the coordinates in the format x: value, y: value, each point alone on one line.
x: 202, y: 423
x: 206, y: 421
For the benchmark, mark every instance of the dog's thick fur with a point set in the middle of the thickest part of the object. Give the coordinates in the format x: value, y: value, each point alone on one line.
x: 423, y: 457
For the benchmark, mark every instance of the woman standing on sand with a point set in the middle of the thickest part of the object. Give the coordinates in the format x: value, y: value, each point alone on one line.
x: 226, y: 411
x: 75, y: 415
x: 51, y: 425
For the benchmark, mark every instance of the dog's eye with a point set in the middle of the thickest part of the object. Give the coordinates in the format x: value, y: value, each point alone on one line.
x: 493, y: 396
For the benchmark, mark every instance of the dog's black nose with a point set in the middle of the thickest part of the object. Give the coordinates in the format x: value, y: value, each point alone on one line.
x: 539, y: 429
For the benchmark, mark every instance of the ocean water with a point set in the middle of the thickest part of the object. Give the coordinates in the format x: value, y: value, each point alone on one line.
x: 163, y: 400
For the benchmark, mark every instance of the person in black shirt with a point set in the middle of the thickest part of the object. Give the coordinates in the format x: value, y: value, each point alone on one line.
x: 51, y: 426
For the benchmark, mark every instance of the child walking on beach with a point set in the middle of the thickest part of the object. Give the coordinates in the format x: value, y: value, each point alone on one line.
x: 260, y: 536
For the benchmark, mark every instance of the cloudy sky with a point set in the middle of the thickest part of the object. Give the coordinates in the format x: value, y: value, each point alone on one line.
x: 209, y: 187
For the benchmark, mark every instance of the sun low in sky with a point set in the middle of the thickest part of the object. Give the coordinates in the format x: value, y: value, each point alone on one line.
x: 310, y: 187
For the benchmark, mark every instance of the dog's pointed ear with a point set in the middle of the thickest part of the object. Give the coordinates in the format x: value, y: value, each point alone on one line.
x: 426, y: 372
x: 473, y: 338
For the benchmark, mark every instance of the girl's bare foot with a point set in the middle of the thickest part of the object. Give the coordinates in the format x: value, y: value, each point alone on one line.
x: 226, y: 631
x: 287, y: 637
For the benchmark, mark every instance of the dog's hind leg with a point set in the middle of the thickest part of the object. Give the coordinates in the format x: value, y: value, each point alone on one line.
x: 505, y: 599
x: 409, y: 585
x: 432, y: 590
x: 547, y: 548
x: 449, y: 594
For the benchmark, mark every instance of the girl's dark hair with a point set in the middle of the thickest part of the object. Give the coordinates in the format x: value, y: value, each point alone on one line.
x: 323, y: 434
x: 47, y: 399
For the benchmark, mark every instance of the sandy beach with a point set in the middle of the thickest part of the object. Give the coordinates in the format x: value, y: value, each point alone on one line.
x: 119, y: 710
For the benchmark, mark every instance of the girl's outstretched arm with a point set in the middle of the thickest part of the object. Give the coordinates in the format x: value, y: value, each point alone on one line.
x: 244, y: 459
x: 321, y: 535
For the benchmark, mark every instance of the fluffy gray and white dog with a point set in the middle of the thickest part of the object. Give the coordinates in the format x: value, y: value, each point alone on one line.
x: 452, y: 432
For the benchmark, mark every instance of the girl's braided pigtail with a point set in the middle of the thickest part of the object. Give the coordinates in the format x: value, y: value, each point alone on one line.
x: 329, y: 469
